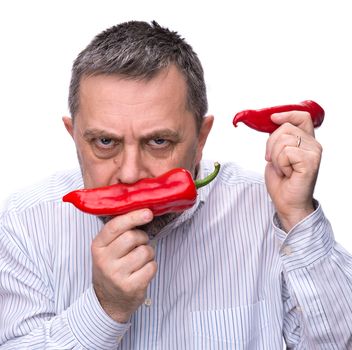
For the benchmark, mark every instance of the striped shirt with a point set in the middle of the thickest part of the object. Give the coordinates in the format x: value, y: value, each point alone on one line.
x: 228, y: 276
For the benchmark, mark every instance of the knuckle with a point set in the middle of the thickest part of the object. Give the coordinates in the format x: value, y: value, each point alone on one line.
x: 283, y: 141
x: 129, y: 237
x: 312, y: 163
x: 151, y: 268
x: 146, y: 252
x: 100, y: 265
x: 122, y: 223
x: 98, y: 256
x: 111, y: 226
x: 320, y: 148
x: 285, y: 128
x: 135, y: 237
x: 306, y: 115
x: 142, y: 235
x: 103, y: 269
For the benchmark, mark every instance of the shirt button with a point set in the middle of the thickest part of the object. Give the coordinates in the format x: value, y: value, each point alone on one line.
x: 148, y: 302
x: 287, y: 250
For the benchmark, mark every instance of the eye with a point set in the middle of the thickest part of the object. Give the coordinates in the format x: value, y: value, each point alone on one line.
x: 105, y: 147
x: 159, y: 143
x: 104, y: 142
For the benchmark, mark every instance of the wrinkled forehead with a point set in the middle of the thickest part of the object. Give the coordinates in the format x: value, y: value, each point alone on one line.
x: 112, y: 101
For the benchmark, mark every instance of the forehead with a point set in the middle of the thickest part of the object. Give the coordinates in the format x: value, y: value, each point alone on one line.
x: 168, y: 85
x: 113, y: 100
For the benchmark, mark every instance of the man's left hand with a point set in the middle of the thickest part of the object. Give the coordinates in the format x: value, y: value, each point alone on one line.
x: 293, y: 155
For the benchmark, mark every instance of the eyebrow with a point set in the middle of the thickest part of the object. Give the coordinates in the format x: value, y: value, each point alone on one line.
x: 96, y: 133
x: 162, y: 133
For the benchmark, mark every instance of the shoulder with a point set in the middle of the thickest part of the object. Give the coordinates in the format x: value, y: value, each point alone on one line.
x: 232, y: 174
x: 50, y: 190
x: 232, y: 184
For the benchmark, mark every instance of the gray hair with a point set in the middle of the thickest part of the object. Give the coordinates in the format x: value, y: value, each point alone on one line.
x: 139, y: 50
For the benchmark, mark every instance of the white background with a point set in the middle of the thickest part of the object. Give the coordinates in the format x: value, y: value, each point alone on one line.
x: 255, y: 54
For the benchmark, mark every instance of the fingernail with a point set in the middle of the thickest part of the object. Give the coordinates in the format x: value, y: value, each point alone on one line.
x: 147, y: 215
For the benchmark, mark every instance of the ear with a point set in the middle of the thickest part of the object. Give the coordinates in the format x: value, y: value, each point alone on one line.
x: 68, y: 125
x: 203, y: 135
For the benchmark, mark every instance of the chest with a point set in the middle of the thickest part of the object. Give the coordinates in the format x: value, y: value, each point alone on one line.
x: 215, y: 288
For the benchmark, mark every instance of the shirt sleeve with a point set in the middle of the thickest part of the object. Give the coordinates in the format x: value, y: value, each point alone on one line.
x: 317, y: 285
x: 27, y: 317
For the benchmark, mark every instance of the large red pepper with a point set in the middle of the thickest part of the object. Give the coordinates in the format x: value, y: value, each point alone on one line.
x: 173, y: 191
x: 260, y: 119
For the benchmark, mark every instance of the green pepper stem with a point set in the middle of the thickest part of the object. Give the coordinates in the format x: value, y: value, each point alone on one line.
x: 202, y: 182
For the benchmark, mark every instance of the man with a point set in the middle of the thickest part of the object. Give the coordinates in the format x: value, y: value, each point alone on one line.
x: 252, y: 264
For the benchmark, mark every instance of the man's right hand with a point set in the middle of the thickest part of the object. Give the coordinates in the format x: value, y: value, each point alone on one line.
x: 123, y: 264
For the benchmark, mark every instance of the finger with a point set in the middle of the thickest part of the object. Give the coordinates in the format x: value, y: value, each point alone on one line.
x: 288, y: 135
x: 118, y: 263
x: 298, y: 159
x: 281, y: 147
x: 137, y: 258
x: 277, y: 141
x: 288, y: 159
x: 300, y: 119
x: 120, y: 224
x: 127, y: 242
x: 142, y: 277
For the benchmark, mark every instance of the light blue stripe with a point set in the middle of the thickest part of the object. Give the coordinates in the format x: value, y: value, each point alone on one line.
x: 224, y: 280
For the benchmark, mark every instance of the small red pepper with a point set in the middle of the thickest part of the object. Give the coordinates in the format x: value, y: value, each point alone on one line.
x: 260, y: 120
x: 173, y: 191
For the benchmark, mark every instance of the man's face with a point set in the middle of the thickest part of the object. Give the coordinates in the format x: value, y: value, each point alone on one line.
x: 126, y: 130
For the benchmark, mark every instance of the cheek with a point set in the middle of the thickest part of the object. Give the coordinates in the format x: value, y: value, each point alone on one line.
x: 98, y: 174
x: 95, y: 172
x: 184, y: 157
x: 190, y: 156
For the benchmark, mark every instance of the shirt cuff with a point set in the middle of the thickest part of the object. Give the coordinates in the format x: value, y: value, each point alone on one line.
x: 307, y: 242
x: 90, y: 324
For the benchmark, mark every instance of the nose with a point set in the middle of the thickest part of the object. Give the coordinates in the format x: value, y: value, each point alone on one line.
x: 130, y: 166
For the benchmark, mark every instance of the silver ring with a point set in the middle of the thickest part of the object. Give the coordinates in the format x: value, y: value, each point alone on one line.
x: 299, y: 140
